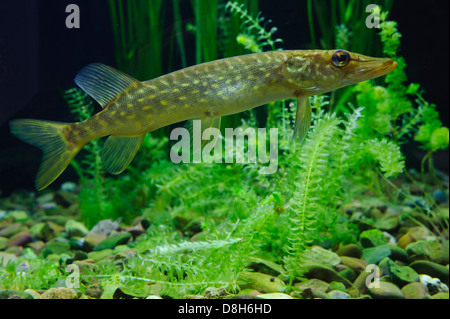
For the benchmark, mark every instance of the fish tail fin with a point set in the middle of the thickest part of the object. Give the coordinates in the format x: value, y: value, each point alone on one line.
x: 52, y: 138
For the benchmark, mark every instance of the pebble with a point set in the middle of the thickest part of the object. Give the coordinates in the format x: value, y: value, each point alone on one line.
x: 348, y: 274
x: 20, y: 216
x: 421, y: 233
x: 55, y: 228
x: 37, y: 246
x: 440, y: 295
x: 20, y: 239
x: 433, y: 250
x: 14, y: 294
x: 12, y: 229
x: 357, y: 265
x: 434, y: 285
x: 314, y: 286
x: 432, y: 269
x: 64, y: 198
x: 33, y: 293
x: 322, y: 256
x: 405, y: 240
x: 360, y: 281
x: 104, y: 227
x: 337, y: 294
x: 415, y: 290
x: 385, y: 290
x: 41, y: 231
x: 375, y: 254
x: 60, y: 293
x: 75, y: 229
x: 388, y: 223
x: 55, y: 247
x: 439, y: 196
x: 101, y: 254
x: 372, y: 238
x: 94, y: 291
x: 3, y: 242
x: 68, y: 186
x: 350, y: 250
x: 261, y: 282
x: 402, y: 275
x: 398, y: 253
x: 113, y: 241
x: 274, y: 295
x: 323, y: 273
x: 93, y: 240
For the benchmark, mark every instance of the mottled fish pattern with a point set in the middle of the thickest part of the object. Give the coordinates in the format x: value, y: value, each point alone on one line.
x: 207, y: 91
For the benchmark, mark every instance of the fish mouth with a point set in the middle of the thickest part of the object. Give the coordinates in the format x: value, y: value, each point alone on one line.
x: 366, y: 68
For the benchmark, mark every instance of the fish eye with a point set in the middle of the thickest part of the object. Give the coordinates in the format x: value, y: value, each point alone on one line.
x: 340, y: 58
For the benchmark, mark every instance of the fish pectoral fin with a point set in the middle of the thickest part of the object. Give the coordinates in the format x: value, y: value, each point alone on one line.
x: 201, y: 130
x: 302, y: 118
x: 103, y: 82
x: 119, y: 151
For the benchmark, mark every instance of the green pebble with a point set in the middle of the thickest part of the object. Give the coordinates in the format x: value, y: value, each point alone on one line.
x: 113, y: 241
x: 14, y: 294
x: 348, y: 274
x: 322, y: 256
x: 19, y: 216
x: 261, y: 282
x: 55, y: 247
x: 432, y: 269
x: 375, y: 254
x: 3, y: 242
x: 372, y: 238
x: 440, y: 295
x: 99, y: 255
x: 75, y: 229
x: 402, y: 275
x: 415, y: 290
x: 386, y: 290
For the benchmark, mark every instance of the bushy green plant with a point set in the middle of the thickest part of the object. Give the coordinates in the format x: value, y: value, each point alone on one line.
x: 208, y: 222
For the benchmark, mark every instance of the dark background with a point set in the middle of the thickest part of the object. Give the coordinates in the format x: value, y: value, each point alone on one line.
x: 39, y: 57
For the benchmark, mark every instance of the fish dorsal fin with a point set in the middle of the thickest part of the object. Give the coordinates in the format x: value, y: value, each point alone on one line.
x: 119, y: 151
x: 302, y: 117
x: 102, y: 82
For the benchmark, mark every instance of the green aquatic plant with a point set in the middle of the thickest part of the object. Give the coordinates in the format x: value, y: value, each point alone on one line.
x: 255, y: 35
x: 138, y: 36
x: 30, y: 272
x: 209, y: 223
x: 308, y: 197
x: 325, y: 16
x: 391, y: 111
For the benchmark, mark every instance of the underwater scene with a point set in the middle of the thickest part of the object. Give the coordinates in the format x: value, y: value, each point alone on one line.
x: 213, y: 149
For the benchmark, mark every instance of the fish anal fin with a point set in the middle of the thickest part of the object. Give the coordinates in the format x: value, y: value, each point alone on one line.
x: 302, y: 118
x: 119, y: 151
x: 103, y: 82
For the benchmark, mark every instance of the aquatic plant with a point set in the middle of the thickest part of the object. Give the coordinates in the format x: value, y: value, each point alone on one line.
x: 308, y: 197
x: 138, y: 36
x: 326, y: 20
x: 209, y: 223
x: 255, y: 35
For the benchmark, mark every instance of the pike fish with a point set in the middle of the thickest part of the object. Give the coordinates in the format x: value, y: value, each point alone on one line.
x: 207, y: 92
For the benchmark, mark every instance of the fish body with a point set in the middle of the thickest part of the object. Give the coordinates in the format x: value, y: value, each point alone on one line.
x: 206, y: 91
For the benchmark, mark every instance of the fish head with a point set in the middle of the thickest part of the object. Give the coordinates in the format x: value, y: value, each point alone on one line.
x: 319, y: 71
